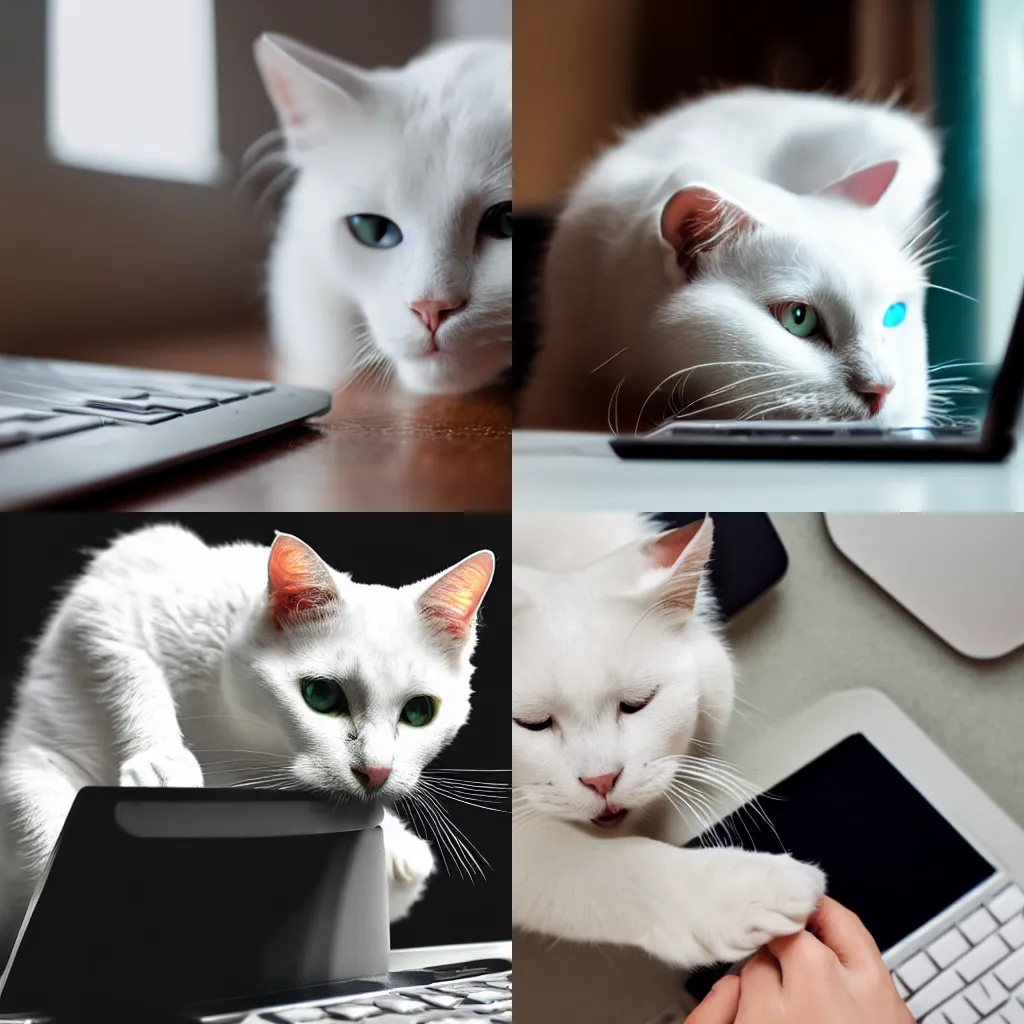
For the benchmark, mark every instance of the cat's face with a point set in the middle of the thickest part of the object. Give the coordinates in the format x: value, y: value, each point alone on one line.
x: 813, y: 310
x: 363, y: 685
x: 403, y: 202
x: 611, y: 679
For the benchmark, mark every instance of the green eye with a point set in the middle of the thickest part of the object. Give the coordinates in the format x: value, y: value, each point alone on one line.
x: 418, y: 711
x: 323, y: 695
x: 375, y: 231
x: 497, y: 222
x: 798, y: 318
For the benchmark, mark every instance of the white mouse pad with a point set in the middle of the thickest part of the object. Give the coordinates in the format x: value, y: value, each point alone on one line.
x: 961, y: 575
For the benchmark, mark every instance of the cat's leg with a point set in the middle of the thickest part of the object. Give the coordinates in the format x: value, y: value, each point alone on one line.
x: 410, y: 863
x: 685, y: 907
x: 137, y: 700
x: 316, y: 331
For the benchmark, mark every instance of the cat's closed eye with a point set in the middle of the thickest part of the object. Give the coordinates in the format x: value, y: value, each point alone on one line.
x: 631, y: 707
x: 323, y: 695
x: 497, y: 221
x: 547, y: 723
x: 375, y: 231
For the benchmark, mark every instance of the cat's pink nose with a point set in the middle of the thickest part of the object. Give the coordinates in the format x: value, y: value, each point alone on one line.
x: 372, y: 776
x: 876, y: 394
x: 434, y: 312
x: 602, y: 784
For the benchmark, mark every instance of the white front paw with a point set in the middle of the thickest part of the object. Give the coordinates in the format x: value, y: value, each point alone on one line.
x: 410, y: 863
x: 168, y: 765
x: 762, y: 897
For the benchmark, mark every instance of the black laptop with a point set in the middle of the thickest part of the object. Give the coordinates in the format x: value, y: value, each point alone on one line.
x: 210, y: 905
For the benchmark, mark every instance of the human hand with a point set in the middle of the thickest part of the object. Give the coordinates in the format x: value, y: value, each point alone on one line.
x: 835, y: 974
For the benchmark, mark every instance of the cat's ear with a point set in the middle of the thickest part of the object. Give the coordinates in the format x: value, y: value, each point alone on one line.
x: 866, y: 186
x: 449, y: 604
x: 663, y: 572
x: 299, y: 583
x: 308, y: 89
x: 677, y: 560
x: 693, y: 221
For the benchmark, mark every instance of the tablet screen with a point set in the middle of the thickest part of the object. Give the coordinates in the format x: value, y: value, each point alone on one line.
x: 890, y: 856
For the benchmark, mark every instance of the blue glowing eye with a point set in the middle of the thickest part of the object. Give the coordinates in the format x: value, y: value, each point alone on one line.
x: 895, y: 315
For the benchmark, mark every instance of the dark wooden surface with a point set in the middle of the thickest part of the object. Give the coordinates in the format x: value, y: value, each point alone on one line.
x: 377, y: 450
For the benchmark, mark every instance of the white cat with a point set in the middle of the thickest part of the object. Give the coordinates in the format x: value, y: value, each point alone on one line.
x: 395, y: 243
x: 752, y: 255
x: 170, y: 663
x: 618, y: 680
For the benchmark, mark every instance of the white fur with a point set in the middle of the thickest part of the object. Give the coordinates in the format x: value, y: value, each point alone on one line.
x: 162, y: 667
x: 594, y: 624
x: 621, y: 330
x: 429, y: 146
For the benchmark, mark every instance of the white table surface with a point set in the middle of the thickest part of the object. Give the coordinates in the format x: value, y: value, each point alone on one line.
x: 825, y: 627
x: 579, y: 472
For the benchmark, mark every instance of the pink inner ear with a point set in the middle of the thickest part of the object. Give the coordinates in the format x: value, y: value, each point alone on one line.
x: 297, y: 580
x: 453, y: 600
x: 664, y: 550
x: 865, y: 187
x: 696, y: 219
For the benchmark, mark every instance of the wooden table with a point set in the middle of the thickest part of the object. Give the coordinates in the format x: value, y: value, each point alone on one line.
x: 377, y: 450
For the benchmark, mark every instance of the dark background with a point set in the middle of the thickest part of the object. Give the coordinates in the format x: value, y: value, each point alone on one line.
x: 41, y: 552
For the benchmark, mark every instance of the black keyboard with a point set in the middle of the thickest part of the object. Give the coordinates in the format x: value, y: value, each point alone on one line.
x: 70, y: 428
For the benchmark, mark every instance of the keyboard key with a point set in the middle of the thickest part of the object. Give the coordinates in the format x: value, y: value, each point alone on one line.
x: 958, y: 1011
x: 979, y: 925
x: 902, y: 989
x: 948, y: 948
x: 1012, y: 933
x: 484, y: 995
x: 1007, y: 904
x: 917, y: 971
x: 353, y: 1011
x: 400, y: 1004
x: 9, y: 412
x: 935, y: 993
x: 300, y: 1015
x: 122, y: 415
x: 61, y: 426
x: 503, y: 1018
x: 982, y: 959
x: 986, y: 995
x: 441, y: 1000
x: 1011, y: 1013
x: 1011, y: 971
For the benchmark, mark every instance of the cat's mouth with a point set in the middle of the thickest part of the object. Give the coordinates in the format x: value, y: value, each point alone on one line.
x: 610, y: 817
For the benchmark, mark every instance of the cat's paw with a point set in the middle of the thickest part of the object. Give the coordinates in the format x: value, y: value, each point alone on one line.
x: 761, y: 897
x: 410, y: 862
x: 170, y: 765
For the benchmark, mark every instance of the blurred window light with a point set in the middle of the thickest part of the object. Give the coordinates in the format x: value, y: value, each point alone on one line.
x: 132, y: 87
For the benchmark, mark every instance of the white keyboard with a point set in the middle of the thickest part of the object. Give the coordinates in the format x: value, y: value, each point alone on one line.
x: 974, y: 972
x: 486, y: 999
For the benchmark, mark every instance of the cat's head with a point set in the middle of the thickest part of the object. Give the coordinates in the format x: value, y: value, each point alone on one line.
x: 615, y: 674
x: 794, y: 307
x: 403, y: 201
x: 361, y: 684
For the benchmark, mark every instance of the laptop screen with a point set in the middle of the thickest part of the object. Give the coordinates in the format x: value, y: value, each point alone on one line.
x: 890, y: 856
